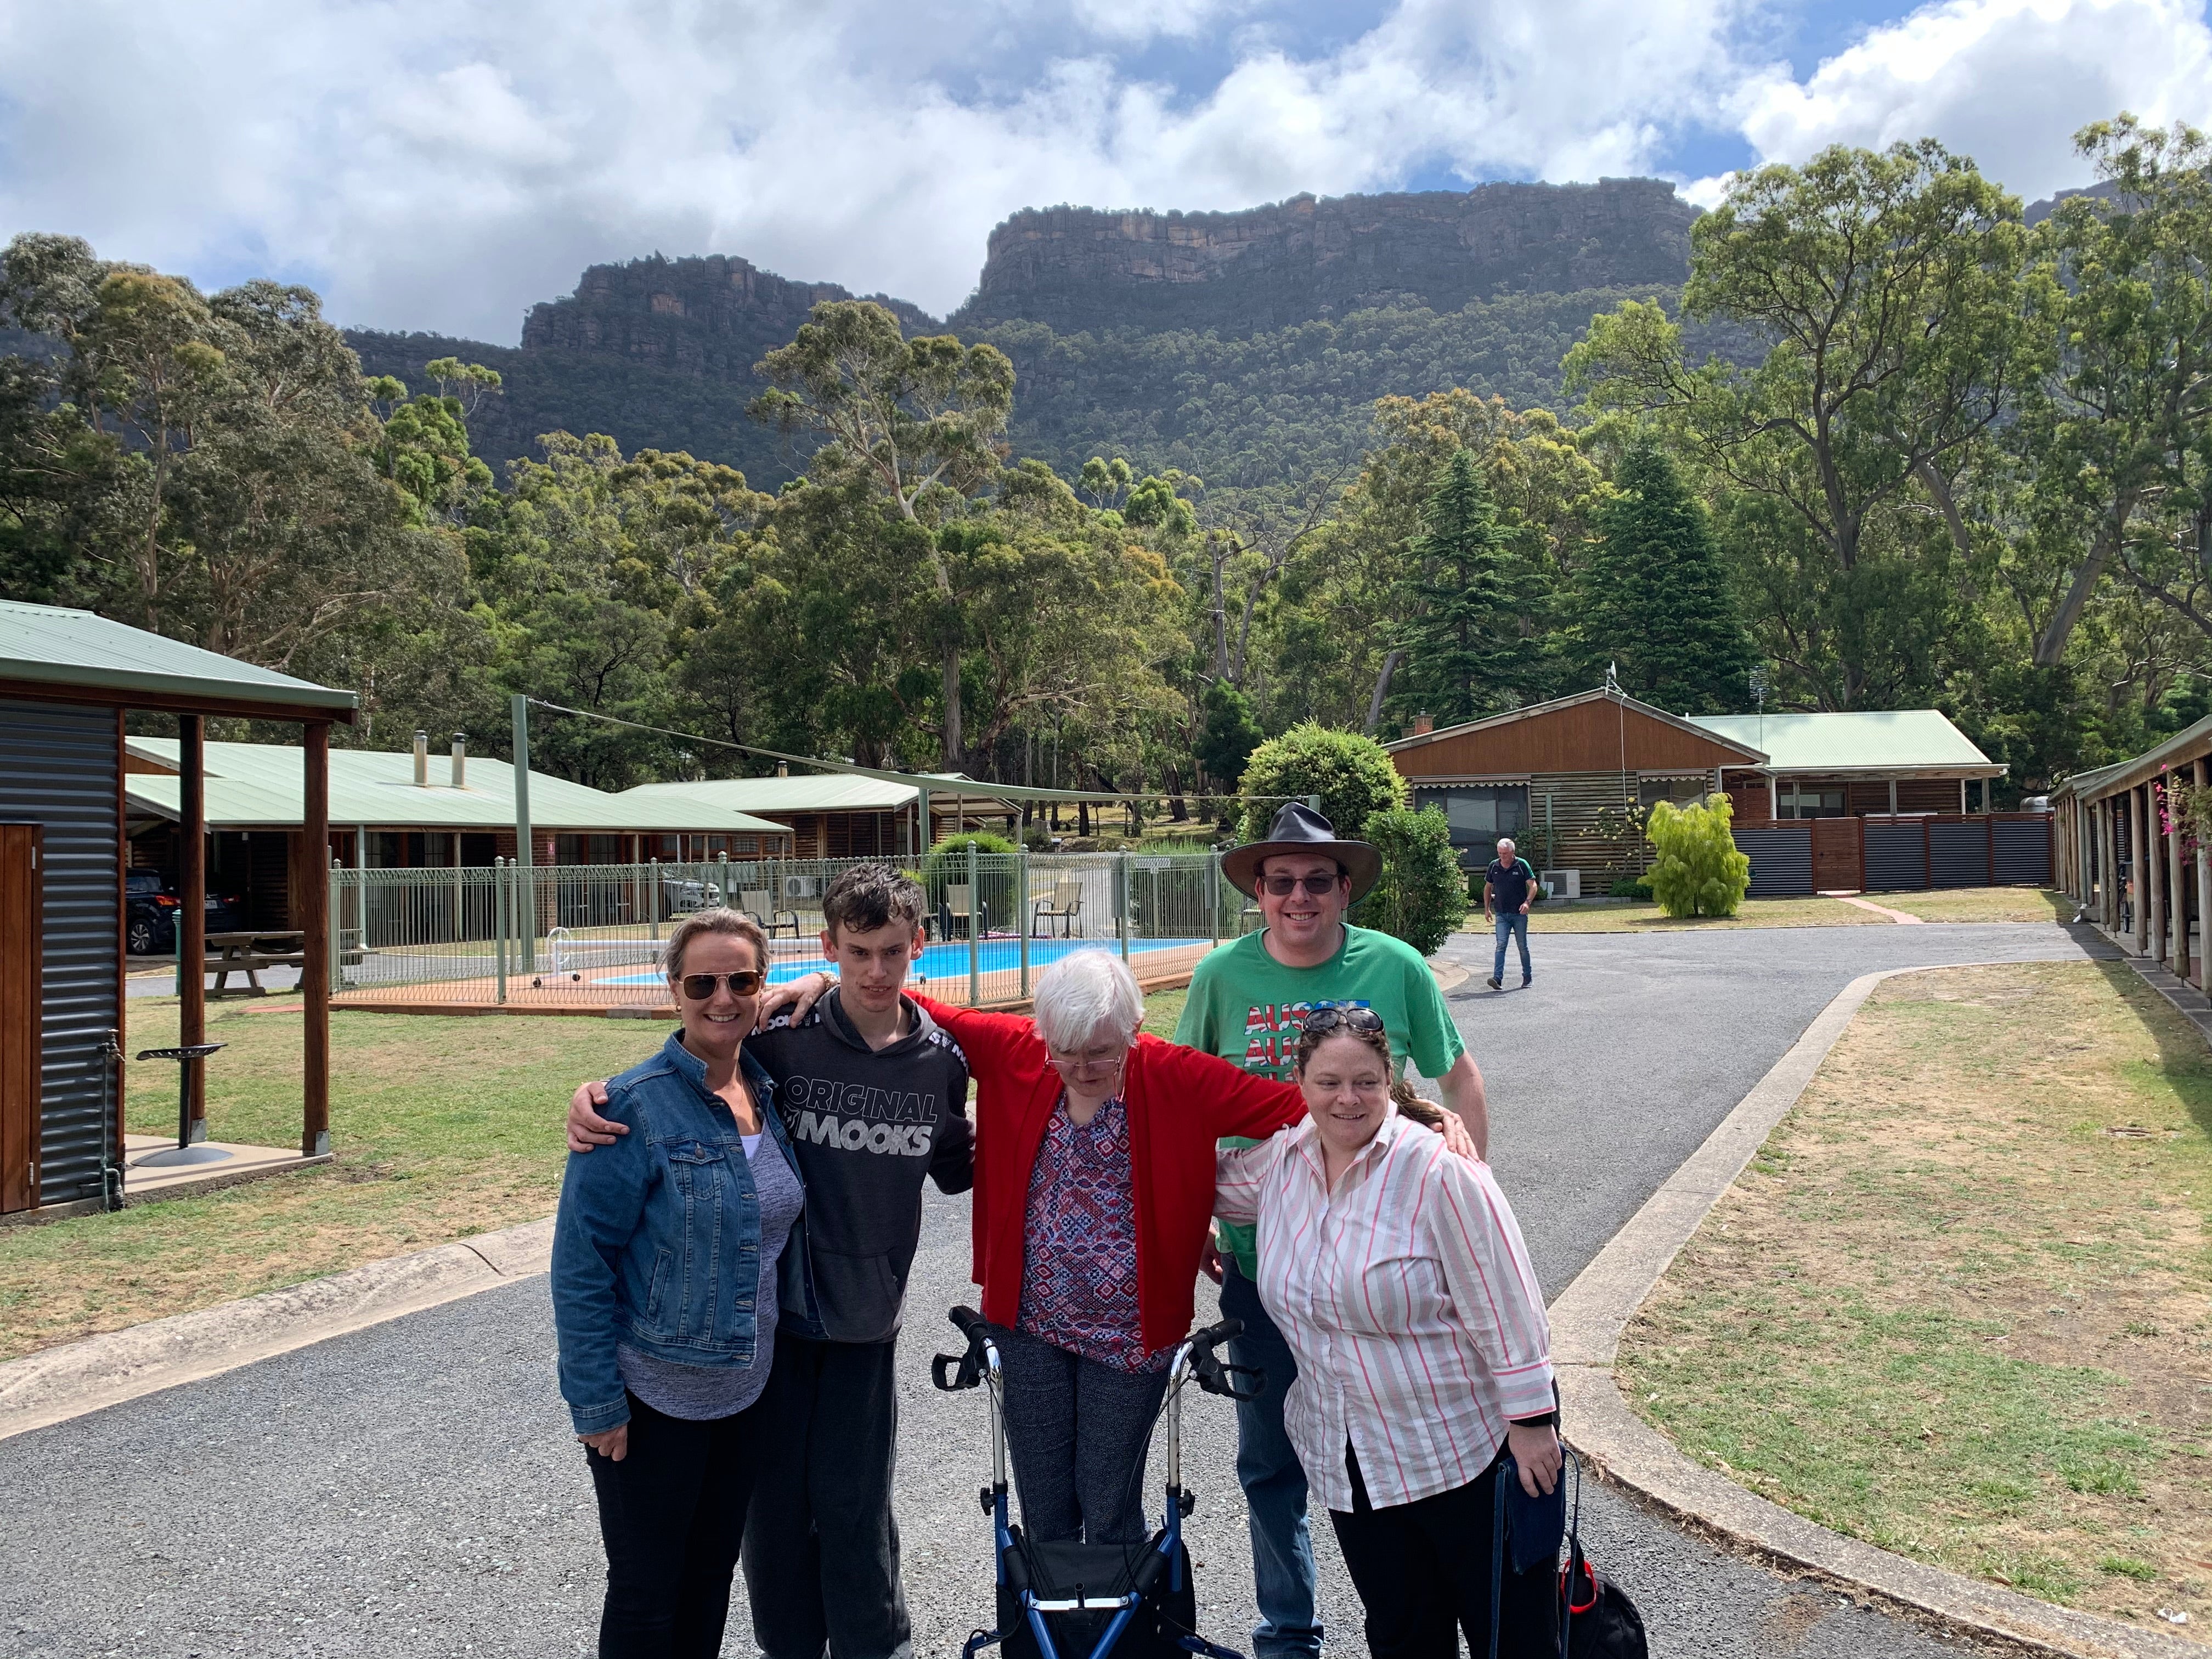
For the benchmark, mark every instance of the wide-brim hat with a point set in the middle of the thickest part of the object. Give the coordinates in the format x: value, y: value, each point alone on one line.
x: 1298, y: 828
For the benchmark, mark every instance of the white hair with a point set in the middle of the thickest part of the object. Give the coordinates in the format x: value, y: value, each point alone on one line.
x: 1508, y: 840
x: 1082, y: 995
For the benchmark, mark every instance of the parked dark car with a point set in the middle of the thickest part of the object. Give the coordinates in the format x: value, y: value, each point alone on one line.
x: 150, y: 906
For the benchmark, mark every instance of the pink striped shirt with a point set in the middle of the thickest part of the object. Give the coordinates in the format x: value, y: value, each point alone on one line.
x: 1407, y: 1296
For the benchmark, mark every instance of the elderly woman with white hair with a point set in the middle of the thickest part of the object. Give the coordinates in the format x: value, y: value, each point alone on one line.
x: 1094, y: 1184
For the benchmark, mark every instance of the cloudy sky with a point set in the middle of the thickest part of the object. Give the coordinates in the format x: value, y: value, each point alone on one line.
x: 442, y: 164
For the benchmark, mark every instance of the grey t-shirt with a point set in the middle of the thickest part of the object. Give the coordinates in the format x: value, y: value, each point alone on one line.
x: 701, y: 1393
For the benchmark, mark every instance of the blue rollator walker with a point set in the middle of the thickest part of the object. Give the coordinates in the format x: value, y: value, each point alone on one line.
x: 1076, y: 1601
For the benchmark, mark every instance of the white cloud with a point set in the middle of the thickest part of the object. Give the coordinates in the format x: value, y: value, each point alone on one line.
x: 2007, y: 82
x: 442, y: 164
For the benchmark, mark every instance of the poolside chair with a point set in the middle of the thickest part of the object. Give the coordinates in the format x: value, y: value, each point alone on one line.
x: 960, y: 905
x: 759, y: 904
x: 1064, y: 905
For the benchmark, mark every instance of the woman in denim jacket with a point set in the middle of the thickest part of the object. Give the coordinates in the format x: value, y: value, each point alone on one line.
x: 664, y: 1257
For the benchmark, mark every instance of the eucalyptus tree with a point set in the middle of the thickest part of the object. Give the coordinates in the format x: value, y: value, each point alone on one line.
x: 914, y: 418
x: 1886, y: 288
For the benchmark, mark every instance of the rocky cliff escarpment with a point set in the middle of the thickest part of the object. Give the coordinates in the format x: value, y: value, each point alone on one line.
x: 1080, y: 269
x: 713, y: 317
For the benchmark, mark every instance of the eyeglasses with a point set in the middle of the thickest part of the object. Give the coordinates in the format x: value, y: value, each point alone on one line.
x: 1352, y: 1019
x: 742, y: 983
x: 1284, y: 886
x: 1086, y: 1062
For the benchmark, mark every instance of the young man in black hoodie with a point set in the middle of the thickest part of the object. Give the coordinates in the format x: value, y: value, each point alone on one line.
x: 874, y: 1097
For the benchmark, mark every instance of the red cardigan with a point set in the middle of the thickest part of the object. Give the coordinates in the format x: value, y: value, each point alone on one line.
x: 1180, y: 1102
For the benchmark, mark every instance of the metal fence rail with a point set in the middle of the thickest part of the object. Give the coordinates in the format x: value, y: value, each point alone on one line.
x: 593, y: 935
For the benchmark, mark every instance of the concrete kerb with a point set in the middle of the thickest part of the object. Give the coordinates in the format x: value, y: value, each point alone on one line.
x: 43, y: 1388
x: 1590, y: 1314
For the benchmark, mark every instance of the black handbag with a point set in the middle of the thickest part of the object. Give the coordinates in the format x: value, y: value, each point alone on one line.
x: 1596, y: 1619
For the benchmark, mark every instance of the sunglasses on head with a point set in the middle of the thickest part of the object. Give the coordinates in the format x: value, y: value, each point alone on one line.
x: 1284, y: 886
x: 742, y: 983
x: 1321, y: 1020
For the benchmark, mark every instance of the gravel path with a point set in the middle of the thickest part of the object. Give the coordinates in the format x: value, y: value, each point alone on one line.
x: 411, y: 1489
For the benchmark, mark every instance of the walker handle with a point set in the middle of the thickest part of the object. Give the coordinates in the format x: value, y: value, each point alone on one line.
x: 1213, y: 1374
x: 977, y: 1329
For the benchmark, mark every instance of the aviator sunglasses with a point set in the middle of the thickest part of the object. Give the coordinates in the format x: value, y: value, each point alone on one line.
x: 742, y: 983
x: 1284, y: 886
x: 1352, y: 1019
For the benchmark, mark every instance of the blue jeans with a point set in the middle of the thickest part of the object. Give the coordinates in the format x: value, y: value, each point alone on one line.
x: 1511, y: 925
x: 1274, y: 1482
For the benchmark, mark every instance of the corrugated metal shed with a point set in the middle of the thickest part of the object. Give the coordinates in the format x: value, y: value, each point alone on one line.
x: 262, y: 785
x: 59, y: 764
x: 1895, y: 741
x: 52, y: 646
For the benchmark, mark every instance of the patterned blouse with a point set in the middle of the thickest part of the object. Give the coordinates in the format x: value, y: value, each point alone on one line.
x: 1079, y: 1242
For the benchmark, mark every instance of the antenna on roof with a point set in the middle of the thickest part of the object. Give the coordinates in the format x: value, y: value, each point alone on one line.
x: 1612, y: 679
x: 1759, y: 692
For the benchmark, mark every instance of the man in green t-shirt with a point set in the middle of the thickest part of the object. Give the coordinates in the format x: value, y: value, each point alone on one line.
x: 1245, y: 1005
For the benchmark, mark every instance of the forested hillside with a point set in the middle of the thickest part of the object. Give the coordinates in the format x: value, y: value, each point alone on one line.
x: 1244, y: 348
x: 1892, y: 441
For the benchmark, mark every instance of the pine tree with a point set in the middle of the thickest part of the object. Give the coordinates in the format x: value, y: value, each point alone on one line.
x: 1464, y: 652
x: 1656, y: 601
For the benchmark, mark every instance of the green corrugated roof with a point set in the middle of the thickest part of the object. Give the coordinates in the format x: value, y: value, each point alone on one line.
x: 261, y: 784
x: 53, y: 646
x: 1902, y: 739
x: 826, y: 792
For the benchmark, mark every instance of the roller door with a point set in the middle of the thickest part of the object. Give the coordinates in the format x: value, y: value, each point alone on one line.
x: 1896, y: 856
x: 2023, y: 850
x: 1959, y: 851
x: 1781, y: 859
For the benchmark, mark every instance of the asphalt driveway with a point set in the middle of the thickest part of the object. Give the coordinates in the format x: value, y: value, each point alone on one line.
x: 411, y: 1489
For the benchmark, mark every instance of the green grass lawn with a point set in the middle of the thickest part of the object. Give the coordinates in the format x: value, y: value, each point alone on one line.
x: 442, y: 1127
x: 1957, y: 1305
x: 1635, y: 918
x: 1983, y: 904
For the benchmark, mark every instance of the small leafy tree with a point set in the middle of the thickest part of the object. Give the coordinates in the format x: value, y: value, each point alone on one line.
x: 1422, y: 896
x: 1699, y: 873
x: 1352, y: 776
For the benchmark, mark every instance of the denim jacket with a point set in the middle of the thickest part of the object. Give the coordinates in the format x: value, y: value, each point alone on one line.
x: 657, y: 1240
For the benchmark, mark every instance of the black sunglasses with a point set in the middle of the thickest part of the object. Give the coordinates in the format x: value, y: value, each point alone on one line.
x: 1352, y: 1019
x: 742, y: 983
x: 1284, y: 886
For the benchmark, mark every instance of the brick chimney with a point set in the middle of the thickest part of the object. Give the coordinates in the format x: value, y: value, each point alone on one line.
x: 1423, y: 724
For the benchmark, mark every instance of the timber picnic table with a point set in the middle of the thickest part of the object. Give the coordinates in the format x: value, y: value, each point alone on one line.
x: 248, y: 953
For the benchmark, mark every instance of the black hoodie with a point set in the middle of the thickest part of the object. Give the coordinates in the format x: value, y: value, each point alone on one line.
x: 866, y: 1125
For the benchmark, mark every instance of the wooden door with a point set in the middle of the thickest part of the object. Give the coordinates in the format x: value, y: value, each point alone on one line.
x: 1837, y: 865
x: 22, y: 938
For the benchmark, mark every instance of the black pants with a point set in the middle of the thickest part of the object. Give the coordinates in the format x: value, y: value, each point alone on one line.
x: 672, y: 1517
x: 822, y: 1553
x: 1423, y: 1567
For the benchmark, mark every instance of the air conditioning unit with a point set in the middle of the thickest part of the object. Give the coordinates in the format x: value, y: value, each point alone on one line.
x: 1563, y: 884
x: 802, y: 887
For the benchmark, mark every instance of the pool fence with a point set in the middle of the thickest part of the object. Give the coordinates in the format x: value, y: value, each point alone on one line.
x: 590, y: 938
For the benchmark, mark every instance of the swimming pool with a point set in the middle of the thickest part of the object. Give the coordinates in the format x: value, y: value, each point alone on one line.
x: 948, y: 960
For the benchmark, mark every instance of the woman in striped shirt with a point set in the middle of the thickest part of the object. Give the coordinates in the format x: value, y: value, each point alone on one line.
x: 1398, y: 1273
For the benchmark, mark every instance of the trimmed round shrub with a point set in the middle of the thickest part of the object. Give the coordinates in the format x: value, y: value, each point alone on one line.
x: 1351, y: 774
x: 946, y: 864
x: 1422, y: 896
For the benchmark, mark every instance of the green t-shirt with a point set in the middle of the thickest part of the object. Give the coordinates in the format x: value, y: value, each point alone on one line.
x: 1245, y: 1007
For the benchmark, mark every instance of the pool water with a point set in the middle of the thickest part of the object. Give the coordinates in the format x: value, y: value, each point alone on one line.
x: 948, y: 960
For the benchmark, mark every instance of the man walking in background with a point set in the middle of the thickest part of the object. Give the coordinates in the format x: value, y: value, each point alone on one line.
x: 1509, y: 887
x: 1247, y: 1001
